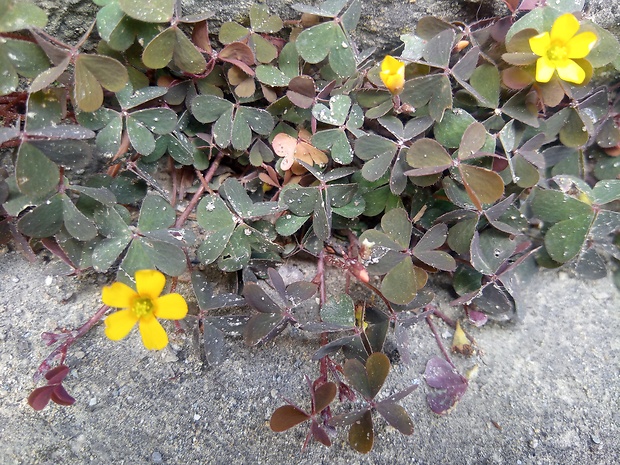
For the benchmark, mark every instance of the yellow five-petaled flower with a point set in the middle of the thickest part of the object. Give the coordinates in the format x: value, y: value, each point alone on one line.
x: 558, y: 50
x: 142, y: 306
x: 393, y: 74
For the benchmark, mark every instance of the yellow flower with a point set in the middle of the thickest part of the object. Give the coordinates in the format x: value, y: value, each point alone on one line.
x: 393, y: 74
x: 142, y: 307
x: 558, y: 49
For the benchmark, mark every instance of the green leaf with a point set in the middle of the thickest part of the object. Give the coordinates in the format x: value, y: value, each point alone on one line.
x: 159, y: 51
x: 339, y: 310
x: 564, y: 239
x: 214, y: 217
x: 397, y: 226
x: 76, y: 223
x: 361, y: 434
x: 461, y: 234
x: 288, y: 224
x: 246, y: 118
x: 157, y: 120
x: 322, y: 218
x: 93, y: 72
x: 237, y: 252
x: 45, y: 220
x: 155, y: 213
x: 489, y: 250
x: 261, y: 21
x: 28, y: 59
x: 606, y: 49
x: 606, y: 191
x: 337, y: 112
x: 186, y: 56
x: 554, y: 206
x: 166, y: 257
x: 271, y: 76
x: 37, y: 176
x: 482, y: 185
x: 437, y: 50
x: 10, y: 78
x: 208, y: 108
x: 434, y: 90
x: 156, y: 11
x: 485, y: 79
x: 232, y: 32
x: 449, y: 131
x: 327, y: 39
x: 140, y: 137
x: 299, y: 200
x: 337, y: 142
x: 107, y: 251
x: 18, y: 14
x: 400, y: 284
x: 115, y: 28
x: 428, y: 157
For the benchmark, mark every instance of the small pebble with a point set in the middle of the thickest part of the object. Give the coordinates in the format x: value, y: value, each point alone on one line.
x: 196, y: 417
x: 156, y: 457
x: 596, y: 439
x: 274, y: 393
x: 49, y: 280
x: 92, y: 402
x: 15, y: 279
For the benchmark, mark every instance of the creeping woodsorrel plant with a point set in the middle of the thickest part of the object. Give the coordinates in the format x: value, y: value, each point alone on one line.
x: 480, y: 146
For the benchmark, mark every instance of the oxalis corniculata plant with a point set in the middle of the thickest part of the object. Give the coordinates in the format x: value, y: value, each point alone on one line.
x: 479, y: 146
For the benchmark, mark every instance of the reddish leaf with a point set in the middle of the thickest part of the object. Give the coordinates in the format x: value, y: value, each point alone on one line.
x: 239, y: 55
x: 361, y: 434
x: 323, y: 396
x: 56, y: 375
x: 450, y: 386
x: 302, y: 91
x: 277, y: 282
x: 40, y: 397
x: 396, y: 416
x: 286, y: 417
x: 259, y: 300
x: 320, y: 434
x: 61, y: 396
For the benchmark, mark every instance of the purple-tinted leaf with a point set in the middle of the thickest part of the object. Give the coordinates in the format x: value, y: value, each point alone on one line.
x: 477, y: 318
x: 401, y: 394
x: 286, y: 417
x: 493, y: 213
x: 320, y: 434
x: 402, y: 343
x: 450, y: 386
x: 56, y: 375
x: 357, y: 377
x: 40, y: 397
x: 396, y: 416
x: 213, y: 344
x: 277, y: 282
x: 324, y: 327
x: 437, y: 259
x: 433, y: 238
x: 259, y: 300
x: 378, y: 367
x: 361, y: 434
x: 263, y: 327
x: 300, y: 291
x: 323, y: 396
x: 334, y: 346
x: 440, y: 374
x: 489, y: 250
x: 346, y: 419
x: 61, y: 396
x: 465, y: 67
x: 232, y: 325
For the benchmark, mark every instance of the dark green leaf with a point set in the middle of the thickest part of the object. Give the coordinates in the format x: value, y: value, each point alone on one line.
x: 217, y: 221
x: 157, y: 11
x: 76, y: 223
x: 564, y: 239
x: 400, y: 284
x: 155, y: 213
x: 36, y: 175
x: 43, y: 221
x: 489, y: 250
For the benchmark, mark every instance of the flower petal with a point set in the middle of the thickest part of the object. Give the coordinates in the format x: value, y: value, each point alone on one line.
x: 564, y: 28
x: 150, y: 283
x: 118, y: 325
x: 170, y: 307
x: 118, y: 295
x: 154, y: 336
x: 580, y: 45
x: 544, y: 70
x: 571, y: 72
x: 540, y: 44
x: 391, y: 64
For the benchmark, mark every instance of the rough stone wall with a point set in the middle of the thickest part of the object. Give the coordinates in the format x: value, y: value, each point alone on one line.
x: 381, y: 23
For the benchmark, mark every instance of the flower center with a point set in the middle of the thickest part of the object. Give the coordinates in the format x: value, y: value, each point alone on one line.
x: 142, y: 307
x: 557, y: 52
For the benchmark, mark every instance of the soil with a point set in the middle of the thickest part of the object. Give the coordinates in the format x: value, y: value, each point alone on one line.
x: 547, y: 389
